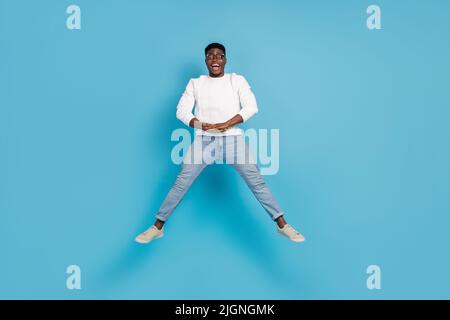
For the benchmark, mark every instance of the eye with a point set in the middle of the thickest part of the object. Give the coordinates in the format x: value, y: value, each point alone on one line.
x: 219, y: 56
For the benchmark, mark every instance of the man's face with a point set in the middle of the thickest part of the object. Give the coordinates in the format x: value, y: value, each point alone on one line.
x: 215, y: 61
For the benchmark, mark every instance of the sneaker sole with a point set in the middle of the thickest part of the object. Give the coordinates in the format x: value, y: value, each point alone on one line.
x: 145, y: 242
x: 293, y: 240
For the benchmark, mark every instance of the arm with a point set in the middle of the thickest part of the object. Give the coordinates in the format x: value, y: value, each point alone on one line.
x: 248, y: 106
x: 184, y: 109
x: 247, y: 99
x: 186, y: 103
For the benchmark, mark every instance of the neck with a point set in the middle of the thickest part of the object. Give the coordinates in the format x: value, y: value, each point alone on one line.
x: 216, y: 75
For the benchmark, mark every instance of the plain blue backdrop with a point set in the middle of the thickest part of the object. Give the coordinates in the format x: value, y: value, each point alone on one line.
x: 85, y: 123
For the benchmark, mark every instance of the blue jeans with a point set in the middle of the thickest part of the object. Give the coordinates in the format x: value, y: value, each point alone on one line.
x: 206, y: 150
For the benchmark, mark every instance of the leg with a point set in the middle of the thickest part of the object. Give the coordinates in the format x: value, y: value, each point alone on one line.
x: 253, y: 178
x: 248, y: 170
x: 187, y: 175
x: 238, y: 155
x: 193, y: 165
x: 250, y: 173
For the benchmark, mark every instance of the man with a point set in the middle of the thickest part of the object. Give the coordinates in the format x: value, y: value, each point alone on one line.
x: 222, y: 101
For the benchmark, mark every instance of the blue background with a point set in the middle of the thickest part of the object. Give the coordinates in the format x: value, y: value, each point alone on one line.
x: 85, y: 123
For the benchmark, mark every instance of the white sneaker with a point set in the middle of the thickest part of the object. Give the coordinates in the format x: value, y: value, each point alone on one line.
x: 291, y: 233
x: 150, y: 234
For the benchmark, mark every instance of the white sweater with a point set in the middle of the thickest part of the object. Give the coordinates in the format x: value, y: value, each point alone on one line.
x: 217, y: 100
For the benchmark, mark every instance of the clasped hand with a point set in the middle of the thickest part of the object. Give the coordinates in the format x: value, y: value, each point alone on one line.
x: 216, y: 127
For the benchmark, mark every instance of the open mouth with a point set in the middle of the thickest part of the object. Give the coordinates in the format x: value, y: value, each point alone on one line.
x: 215, y: 67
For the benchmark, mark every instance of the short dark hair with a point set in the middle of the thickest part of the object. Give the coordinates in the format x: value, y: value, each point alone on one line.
x: 215, y: 45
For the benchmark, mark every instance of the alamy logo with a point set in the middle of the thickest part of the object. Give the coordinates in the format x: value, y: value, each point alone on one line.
x: 73, y: 21
x: 374, y: 279
x: 259, y: 145
x: 73, y: 281
x: 374, y: 20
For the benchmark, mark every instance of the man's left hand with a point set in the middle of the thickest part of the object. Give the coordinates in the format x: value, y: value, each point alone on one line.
x: 223, y: 126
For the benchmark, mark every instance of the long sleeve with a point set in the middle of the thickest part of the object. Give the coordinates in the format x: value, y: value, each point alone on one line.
x: 247, y: 99
x: 186, y: 103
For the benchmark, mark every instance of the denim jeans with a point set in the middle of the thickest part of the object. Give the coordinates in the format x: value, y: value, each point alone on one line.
x: 232, y: 150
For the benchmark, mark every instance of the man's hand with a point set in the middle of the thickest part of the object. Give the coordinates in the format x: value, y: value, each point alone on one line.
x: 216, y: 127
x: 208, y: 126
x: 224, y: 126
x: 195, y: 123
x: 221, y: 127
